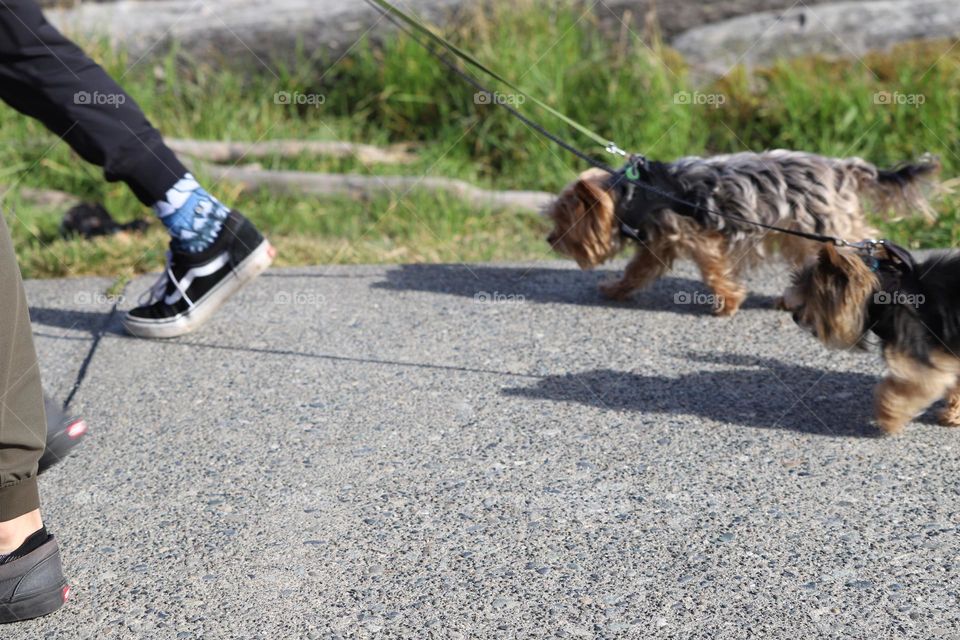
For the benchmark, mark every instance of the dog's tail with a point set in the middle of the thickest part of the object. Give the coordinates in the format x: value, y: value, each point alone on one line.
x: 904, y: 190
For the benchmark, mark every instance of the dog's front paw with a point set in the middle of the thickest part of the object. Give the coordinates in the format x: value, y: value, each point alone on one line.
x: 616, y: 290
x: 725, y: 310
x: 727, y: 305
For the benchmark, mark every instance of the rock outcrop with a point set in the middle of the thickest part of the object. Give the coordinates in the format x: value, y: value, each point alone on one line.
x: 844, y: 29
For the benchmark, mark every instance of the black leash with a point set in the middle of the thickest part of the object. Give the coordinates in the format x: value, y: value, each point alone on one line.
x: 391, y: 13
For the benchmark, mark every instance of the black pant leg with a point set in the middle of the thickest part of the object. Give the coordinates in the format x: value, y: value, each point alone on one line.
x: 48, y: 77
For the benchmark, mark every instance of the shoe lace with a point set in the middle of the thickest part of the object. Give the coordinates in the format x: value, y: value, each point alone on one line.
x: 157, y: 292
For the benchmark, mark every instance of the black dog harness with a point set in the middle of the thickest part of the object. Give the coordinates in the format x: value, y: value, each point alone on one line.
x: 897, y: 273
x: 626, y: 183
x: 899, y: 260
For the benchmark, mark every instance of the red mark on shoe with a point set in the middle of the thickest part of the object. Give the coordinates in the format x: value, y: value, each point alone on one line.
x: 65, y: 593
x: 76, y: 429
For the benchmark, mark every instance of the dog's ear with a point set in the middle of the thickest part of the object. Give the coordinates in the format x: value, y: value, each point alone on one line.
x: 833, y: 257
x: 590, y: 236
x: 830, y: 257
x: 587, y: 192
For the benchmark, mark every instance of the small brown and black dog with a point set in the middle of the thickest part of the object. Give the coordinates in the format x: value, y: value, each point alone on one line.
x: 601, y: 213
x: 844, y: 295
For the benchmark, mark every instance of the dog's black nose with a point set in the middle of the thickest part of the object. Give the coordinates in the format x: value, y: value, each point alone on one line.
x: 552, y: 238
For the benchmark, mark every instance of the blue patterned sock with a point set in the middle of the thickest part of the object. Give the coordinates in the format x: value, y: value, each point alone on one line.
x: 193, y: 217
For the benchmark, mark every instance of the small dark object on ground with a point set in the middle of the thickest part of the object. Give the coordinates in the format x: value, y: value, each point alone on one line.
x: 92, y: 219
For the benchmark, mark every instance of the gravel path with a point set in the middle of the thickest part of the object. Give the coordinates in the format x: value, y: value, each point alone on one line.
x: 487, y: 452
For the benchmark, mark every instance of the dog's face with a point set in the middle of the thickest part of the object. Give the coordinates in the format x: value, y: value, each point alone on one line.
x: 830, y: 295
x: 584, y: 221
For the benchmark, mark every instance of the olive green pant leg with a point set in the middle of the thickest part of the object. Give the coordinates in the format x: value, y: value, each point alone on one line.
x: 23, y: 430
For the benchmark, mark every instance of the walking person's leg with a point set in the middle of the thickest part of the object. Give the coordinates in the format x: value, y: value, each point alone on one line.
x: 214, y: 250
x: 31, y: 580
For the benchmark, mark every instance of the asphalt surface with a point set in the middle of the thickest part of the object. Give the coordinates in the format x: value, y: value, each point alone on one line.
x: 486, y: 451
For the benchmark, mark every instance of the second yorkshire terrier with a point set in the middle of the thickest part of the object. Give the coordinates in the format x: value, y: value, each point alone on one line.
x: 601, y: 213
x: 843, y: 295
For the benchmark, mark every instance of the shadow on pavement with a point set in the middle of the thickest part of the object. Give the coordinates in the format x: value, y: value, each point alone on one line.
x: 748, y: 391
x: 71, y: 320
x: 544, y: 285
x: 752, y: 392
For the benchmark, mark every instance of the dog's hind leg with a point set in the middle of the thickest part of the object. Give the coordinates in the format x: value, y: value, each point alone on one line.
x: 650, y: 262
x: 909, y: 388
x: 719, y: 273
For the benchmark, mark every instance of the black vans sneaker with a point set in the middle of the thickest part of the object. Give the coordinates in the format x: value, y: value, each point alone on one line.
x: 194, y: 285
x: 33, y: 585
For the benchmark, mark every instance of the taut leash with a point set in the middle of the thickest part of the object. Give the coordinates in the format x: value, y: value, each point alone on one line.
x: 416, y: 24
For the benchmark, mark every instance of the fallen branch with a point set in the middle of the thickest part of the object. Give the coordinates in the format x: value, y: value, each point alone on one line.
x: 225, y: 152
x: 42, y: 197
x: 327, y: 184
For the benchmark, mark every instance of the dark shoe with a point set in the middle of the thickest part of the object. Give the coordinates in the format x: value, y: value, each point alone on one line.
x: 63, y: 434
x: 194, y: 285
x: 33, y: 586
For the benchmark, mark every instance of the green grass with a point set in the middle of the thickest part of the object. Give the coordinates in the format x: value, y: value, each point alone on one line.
x: 395, y: 92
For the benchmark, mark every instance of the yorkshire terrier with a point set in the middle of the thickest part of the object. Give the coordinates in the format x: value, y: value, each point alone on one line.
x: 599, y: 214
x: 843, y: 295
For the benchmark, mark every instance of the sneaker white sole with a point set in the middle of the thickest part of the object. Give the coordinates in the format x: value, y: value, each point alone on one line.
x: 248, y: 270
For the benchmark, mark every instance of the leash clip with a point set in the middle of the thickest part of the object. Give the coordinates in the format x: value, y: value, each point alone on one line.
x: 868, y: 247
x: 613, y: 149
x: 867, y: 250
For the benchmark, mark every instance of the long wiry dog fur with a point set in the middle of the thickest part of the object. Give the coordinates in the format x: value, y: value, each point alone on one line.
x: 841, y: 300
x: 796, y: 190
